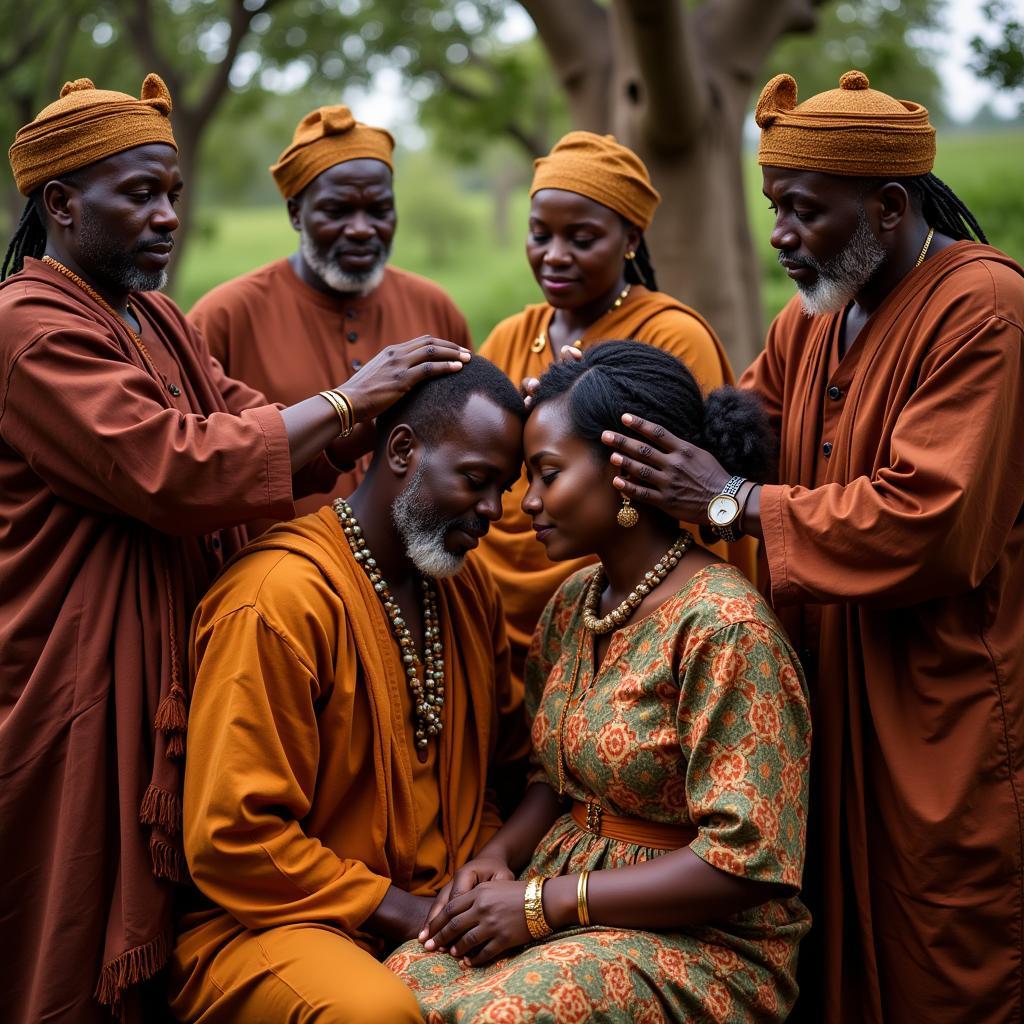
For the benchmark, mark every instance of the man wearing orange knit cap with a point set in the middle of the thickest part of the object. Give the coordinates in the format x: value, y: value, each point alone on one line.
x: 895, y: 544
x: 316, y: 317
x: 129, y: 466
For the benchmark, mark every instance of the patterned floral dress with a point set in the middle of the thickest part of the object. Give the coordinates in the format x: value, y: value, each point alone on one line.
x: 696, y: 717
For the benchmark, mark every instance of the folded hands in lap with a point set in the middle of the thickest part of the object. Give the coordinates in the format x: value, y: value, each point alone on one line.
x: 479, y: 914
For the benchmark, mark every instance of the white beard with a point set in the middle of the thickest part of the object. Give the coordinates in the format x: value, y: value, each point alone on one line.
x: 327, y: 269
x: 842, y: 277
x: 423, y: 531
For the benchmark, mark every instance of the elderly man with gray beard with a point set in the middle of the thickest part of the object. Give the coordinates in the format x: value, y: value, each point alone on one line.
x: 304, y: 323
x: 894, y: 541
x: 352, y: 705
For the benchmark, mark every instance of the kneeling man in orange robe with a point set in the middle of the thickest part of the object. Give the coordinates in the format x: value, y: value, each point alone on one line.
x: 351, y: 697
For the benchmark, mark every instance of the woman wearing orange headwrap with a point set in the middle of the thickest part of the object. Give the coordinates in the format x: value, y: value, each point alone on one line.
x: 591, y: 201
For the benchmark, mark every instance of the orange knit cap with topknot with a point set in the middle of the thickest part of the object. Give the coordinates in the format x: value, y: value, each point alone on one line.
x: 88, y: 124
x: 853, y: 130
x: 325, y: 137
x: 598, y: 167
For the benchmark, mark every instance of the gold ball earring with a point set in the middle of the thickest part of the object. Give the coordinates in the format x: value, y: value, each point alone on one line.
x: 627, y: 517
x: 631, y: 255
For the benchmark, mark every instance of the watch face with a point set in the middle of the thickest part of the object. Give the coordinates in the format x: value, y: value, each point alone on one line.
x: 723, y: 510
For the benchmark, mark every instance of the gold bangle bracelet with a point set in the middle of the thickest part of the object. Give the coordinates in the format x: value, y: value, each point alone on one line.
x: 342, y: 411
x: 348, y: 401
x: 533, y: 906
x: 582, y: 908
x: 331, y: 399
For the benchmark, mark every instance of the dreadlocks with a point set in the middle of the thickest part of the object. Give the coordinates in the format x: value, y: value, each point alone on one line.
x: 640, y: 270
x: 940, y: 206
x: 30, y: 235
x: 943, y: 209
x: 29, y: 240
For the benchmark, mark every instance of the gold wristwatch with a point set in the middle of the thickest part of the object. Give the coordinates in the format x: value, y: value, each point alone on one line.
x: 724, y: 510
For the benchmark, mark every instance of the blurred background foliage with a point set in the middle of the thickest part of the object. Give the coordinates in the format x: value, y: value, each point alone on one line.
x: 477, y: 100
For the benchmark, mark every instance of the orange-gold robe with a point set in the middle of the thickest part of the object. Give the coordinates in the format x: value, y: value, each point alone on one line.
x: 895, y: 544
x: 304, y: 797
x: 526, y: 576
x: 120, y: 496
x: 289, y: 340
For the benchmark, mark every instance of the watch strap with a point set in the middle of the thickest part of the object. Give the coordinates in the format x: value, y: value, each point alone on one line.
x: 731, y: 532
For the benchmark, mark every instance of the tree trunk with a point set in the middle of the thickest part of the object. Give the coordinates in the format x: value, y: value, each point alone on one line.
x: 676, y: 88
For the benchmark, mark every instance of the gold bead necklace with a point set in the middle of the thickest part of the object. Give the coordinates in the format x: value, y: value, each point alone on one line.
x: 99, y: 300
x: 541, y: 341
x: 924, y: 249
x: 428, y: 693
x: 617, y: 616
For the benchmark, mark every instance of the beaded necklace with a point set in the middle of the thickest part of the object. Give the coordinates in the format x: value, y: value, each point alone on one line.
x: 614, y: 619
x: 541, y: 341
x: 428, y: 692
x: 99, y: 300
x: 617, y: 616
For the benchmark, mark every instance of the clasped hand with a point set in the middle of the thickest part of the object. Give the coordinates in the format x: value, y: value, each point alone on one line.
x: 478, y: 915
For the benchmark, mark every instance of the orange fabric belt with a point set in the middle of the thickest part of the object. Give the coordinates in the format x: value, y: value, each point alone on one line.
x: 657, y: 835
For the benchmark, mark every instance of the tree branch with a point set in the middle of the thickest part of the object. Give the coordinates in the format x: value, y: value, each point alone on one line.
x: 576, y: 36
x: 533, y: 146
x: 213, y: 92
x: 658, y: 36
x: 137, y: 16
x: 740, y: 34
x: 23, y: 48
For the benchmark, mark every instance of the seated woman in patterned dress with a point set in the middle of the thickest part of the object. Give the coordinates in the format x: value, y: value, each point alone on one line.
x: 651, y: 872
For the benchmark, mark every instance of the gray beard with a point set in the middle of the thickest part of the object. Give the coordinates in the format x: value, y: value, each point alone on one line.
x: 325, y: 266
x: 423, y: 531
x: 115, y: 268
x: 842, y: 277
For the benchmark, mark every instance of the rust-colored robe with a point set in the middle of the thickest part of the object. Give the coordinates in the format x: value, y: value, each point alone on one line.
x: 526, y: 576
x: 897, y: 563
x: 118, y: 503
x: 289, y: 341
x: 304, y: 797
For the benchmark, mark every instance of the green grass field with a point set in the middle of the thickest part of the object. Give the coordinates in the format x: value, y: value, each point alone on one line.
x: 490, y: 281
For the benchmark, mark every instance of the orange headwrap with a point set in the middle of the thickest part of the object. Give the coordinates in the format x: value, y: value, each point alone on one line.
x: 598, y: 167
x: 328, y: 136
x: 85, y: 125
x: 853, y: 130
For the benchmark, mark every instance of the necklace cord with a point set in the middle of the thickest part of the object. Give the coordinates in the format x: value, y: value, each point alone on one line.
x: 107, y: 307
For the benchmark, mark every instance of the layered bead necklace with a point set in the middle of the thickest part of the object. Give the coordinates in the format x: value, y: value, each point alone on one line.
x: 617, y: 616
x: 541, y: 341
x: 428, y: 692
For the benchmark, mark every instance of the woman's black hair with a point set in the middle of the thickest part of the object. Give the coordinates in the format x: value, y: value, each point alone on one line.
x: 640, y: 269
x: 630, y: 376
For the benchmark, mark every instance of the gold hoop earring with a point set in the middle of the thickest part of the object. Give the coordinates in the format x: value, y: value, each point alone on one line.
x: 627, y: 517
x: 631, y: 255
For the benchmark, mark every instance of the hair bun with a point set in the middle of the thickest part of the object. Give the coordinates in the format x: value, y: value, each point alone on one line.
x: 738, y: 434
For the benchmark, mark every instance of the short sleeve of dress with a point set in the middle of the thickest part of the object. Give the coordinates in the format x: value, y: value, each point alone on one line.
x: 744, y: 726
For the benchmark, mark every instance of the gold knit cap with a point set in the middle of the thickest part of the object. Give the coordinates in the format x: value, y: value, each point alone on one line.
x: 853, y: 130
x: 325, y: 137
x: 598, y: 167
x: 88, y: 124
